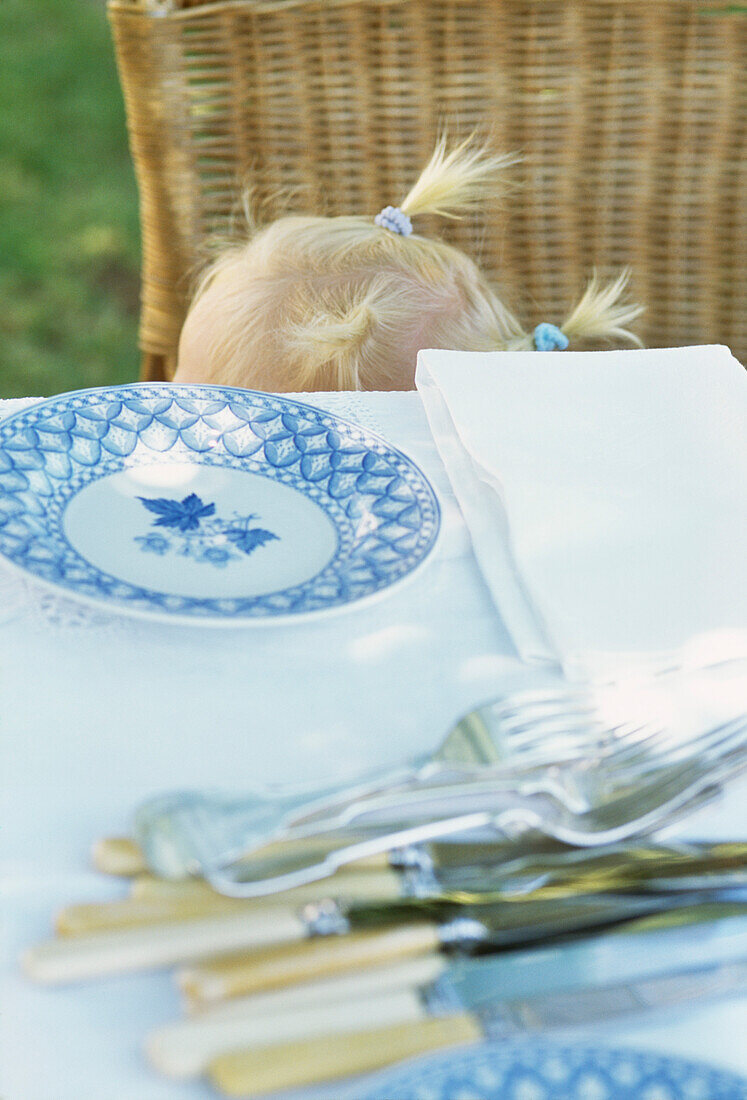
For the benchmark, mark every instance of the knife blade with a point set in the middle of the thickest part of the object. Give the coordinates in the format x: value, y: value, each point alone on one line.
x: 445, y: 869
x: 461, y: 869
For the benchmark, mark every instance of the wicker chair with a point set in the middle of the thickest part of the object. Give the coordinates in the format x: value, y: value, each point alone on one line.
x: 627, y: 113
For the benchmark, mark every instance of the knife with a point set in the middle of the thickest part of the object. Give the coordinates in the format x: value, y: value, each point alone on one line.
x: 464, y: 876
x: 185, y: 1048
x: 457, y: 868
x: 560, y: 876
x: 476, y: 875
x: 138, y: 947
x: 443, y: 869
x: 495, y: 997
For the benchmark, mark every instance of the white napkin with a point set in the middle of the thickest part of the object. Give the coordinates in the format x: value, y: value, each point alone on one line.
x: 605, y: 492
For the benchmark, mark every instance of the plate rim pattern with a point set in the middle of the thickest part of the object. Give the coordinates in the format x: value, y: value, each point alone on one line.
x: 486, y: 1071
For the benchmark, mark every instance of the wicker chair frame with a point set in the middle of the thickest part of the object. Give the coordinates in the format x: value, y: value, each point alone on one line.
x: 629, y: 115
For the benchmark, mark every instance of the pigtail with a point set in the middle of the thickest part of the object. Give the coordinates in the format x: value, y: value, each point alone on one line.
x: 328, y: 344
x: 603, y: 312
x: 456, y: 181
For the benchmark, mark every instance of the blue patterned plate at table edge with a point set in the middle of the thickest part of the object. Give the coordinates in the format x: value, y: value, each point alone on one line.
x: 544, y: 1070
x: 208, y: 504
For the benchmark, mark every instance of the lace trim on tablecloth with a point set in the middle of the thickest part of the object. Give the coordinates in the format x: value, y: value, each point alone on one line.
x: 41, y: 608
x: 349, y: 404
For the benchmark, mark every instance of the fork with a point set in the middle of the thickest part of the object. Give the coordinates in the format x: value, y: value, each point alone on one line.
x: 531, y: 742
x: 571, y: 721
x: 672, y: 791
x: 573, y: 713
x: 182, y: 832
x: 578, y: 784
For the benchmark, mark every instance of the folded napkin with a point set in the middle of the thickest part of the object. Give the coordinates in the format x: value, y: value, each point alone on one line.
x: 605, y: 492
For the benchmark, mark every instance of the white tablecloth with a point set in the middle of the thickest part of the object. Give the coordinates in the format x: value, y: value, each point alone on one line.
x: 98, y: 711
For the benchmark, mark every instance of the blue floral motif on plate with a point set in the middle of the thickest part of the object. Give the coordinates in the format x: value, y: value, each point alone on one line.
x: 211, y: 541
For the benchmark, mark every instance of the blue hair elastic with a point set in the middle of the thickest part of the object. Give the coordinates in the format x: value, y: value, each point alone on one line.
x: 549, y: 337
x: 394, y: 219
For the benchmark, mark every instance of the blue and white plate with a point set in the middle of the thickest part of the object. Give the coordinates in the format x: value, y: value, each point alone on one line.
x: 207, y: 503
x: 540, y: 1070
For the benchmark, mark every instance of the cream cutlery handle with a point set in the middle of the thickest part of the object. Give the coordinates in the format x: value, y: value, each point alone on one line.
x: 118, y: 855
x: 148, y: 886
x: 187, y: 1047
x: 329, y: 1058
x: 123, y: 856
x: 196, y: 899
x: 369, y: 878
x: 293, y: 964
x: 75, y: 958
x: 79, y: 920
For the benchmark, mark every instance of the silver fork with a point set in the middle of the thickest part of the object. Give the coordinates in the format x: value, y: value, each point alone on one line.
x: 641, y: 759
x: 579, y: 783
x: 572, y: 714
x: 540, y: 741
x: 183, y: 832
x: 671, y: 791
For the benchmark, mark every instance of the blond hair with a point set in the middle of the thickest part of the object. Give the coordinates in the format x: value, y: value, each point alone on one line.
x: 343, y: 303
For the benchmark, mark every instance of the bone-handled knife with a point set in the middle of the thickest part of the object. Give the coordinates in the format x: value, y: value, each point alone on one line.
x: 494, y: 997
x: 363, y: 936
x: 150, y: 946
x: 174, y: 941
x: 186, y: 1047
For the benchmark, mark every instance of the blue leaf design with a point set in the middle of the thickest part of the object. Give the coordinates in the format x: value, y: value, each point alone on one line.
x: 249, y: 540
x: 185, y: 515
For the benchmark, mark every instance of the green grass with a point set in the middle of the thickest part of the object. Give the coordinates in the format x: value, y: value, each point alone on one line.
x: 69, y: 238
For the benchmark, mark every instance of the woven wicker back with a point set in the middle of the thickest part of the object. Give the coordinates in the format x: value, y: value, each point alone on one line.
x: 627, y: 113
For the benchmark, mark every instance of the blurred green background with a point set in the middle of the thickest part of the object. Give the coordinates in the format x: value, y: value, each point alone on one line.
x: 69, y: 238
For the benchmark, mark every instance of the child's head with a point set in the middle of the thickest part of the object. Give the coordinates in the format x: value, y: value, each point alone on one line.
x: 311, y: 303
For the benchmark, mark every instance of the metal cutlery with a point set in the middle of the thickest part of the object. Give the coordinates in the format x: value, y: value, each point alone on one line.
x: 186, y: 1048
x: 552, y: 724
x: 193, y: 833
x: 467, y: 999
x: 523, y: 916
x: 668, y: 871
x: 456, y: 871
x: 618, y: 814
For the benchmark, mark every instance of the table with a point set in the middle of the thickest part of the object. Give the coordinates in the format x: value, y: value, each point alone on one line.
x: 98, y: 711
